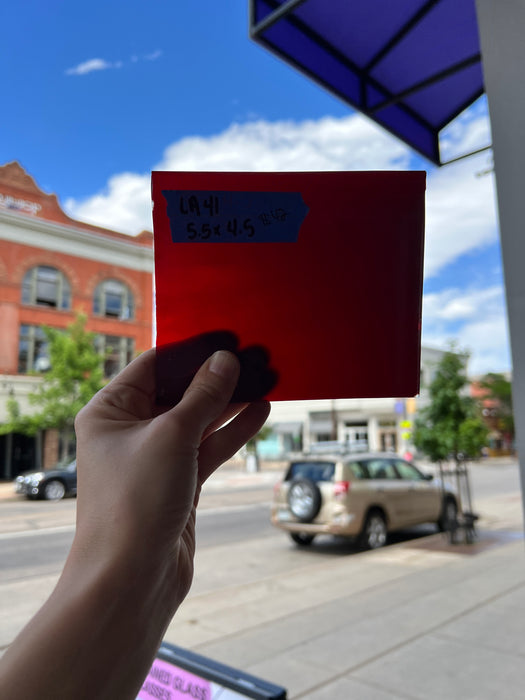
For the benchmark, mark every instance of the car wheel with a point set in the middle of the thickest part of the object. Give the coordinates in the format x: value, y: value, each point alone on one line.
x: 54, y: 490
x: 449, y: 516
x: 374, y: 533
x: 304, y: 499
x: 301, y: 538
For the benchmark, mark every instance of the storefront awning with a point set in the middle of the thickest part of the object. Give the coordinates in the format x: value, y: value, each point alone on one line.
x: 411, y: 66
x: 288, y: 428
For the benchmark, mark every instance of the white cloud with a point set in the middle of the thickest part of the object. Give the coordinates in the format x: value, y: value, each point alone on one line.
x: 98, y: 64
x: 351, y: 143
x: 468, y: 133
x: 125, y: 205
x: 461, y: 213
x: 93, y: 64
x: 476, y: 319
x: 153, y: 55
x: 462, y: 304
x: 461, y: 203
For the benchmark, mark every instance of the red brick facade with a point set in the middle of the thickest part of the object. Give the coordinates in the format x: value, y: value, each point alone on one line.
x: 35, y: 234
x: 84, y: 275
x: 19, y: 193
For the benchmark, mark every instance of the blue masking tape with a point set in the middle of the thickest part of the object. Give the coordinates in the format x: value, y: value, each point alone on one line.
x: 204, y: 216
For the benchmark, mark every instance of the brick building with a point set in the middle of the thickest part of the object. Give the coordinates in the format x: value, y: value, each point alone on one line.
x: 52, y: 266
x: 497, y: 415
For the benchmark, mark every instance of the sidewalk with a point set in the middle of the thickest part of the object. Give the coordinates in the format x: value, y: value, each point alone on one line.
x: 399, y: 623
x: 422, y: 620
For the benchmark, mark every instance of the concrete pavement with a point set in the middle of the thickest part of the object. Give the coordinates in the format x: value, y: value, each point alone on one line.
x: 423, y: 620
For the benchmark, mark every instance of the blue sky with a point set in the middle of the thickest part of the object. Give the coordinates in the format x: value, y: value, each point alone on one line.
x: 98, y: 94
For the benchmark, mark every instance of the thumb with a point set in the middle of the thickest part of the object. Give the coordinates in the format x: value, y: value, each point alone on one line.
x: 208, y: 394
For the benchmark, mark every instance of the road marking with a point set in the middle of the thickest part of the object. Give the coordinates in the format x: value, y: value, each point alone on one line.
x: 37, y: 531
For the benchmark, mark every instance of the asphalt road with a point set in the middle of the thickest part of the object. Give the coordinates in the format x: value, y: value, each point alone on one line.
x: 35, y: 552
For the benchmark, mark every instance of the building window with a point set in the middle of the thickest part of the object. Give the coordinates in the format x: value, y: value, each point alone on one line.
x: 356, y: 436
x: 46, y: 286
x: 113, y: 299
x: 117, y: 352
x: 32, y: 350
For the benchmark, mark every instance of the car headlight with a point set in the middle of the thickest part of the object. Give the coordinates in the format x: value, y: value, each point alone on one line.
x: 36, y: 479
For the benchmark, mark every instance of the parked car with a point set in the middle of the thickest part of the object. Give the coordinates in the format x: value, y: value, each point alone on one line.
x: 51, y: 484
x: 363, y: 496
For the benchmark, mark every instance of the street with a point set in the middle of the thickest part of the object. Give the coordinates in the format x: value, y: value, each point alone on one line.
x: 236, y: 544
x: 32, y: 553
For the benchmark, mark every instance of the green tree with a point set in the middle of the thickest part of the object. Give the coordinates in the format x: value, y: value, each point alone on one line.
x: 252, y: 458
x: 451, y: 425
x: 263, y: 434
x: 75, y: 375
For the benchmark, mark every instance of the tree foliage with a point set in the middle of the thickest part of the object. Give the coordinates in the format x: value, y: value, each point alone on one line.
x: 75, y: 375
x: 451, y: 425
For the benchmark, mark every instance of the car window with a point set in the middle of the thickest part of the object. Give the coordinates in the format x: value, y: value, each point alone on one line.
x: 69, y: 466
x: 408, y: 471
x: 358, y: 470
x: 381, y: 469
x: 316, y: 471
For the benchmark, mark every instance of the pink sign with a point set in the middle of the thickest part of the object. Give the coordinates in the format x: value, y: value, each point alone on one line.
x: 168, y: 682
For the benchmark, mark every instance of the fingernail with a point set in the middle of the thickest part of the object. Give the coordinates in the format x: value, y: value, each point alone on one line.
x: 223, y: 363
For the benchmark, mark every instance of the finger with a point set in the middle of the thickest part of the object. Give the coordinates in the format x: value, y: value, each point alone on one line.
x: 230, y: 411
x: 208, y: 395
x: 139, y: 373
x: 224, y: 443
x: 131, y: 393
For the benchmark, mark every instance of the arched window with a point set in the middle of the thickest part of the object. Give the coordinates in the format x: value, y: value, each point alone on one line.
x: 113, y: 299
x: 46, y: 286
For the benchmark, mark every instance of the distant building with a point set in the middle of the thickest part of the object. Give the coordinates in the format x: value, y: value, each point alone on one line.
x: 52, y: 266
x: 497, y: 416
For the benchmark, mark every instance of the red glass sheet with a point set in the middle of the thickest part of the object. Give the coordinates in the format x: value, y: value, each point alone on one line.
x: 313, y: 279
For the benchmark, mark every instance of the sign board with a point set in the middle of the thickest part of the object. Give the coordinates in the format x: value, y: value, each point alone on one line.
x: 179, y: 674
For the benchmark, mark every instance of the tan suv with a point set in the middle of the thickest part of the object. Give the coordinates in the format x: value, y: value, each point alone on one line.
x: 365, y: 496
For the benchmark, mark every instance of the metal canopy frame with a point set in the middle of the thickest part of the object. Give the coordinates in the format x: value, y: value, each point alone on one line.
x: 270, y: 18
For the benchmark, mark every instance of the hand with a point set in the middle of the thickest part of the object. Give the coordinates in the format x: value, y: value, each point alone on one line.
x: 257, y: 376
x: 141, y: 467
x: 140, y: 471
